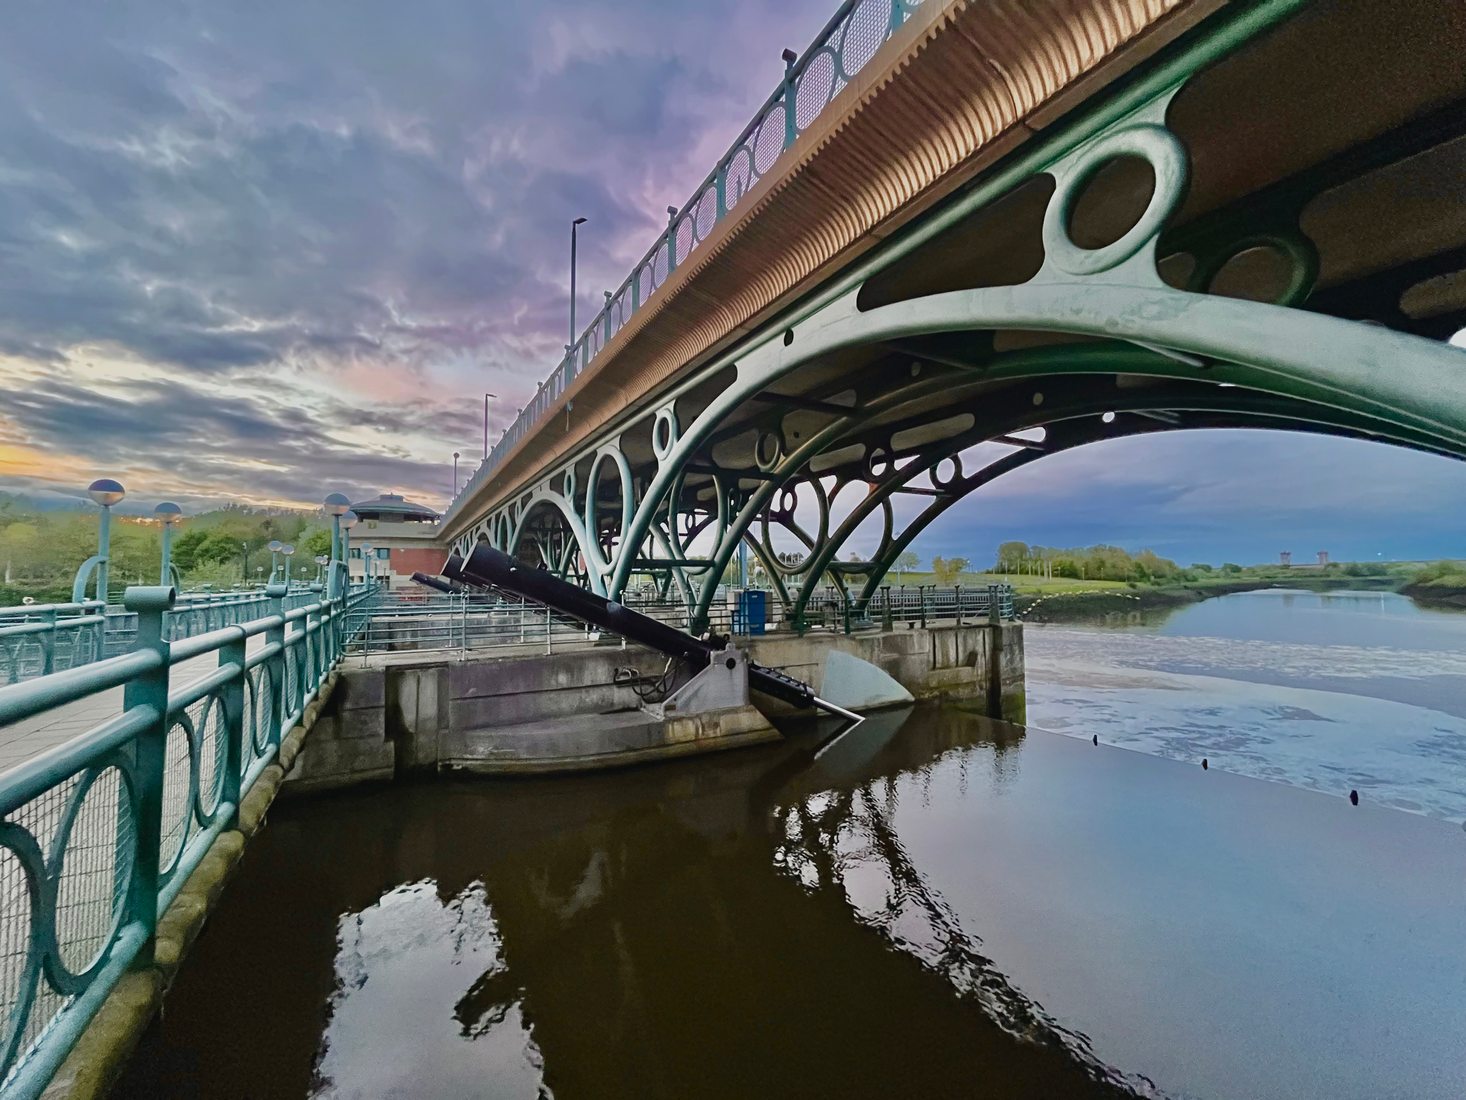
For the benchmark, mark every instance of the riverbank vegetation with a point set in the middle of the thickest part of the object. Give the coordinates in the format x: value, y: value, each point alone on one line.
x: 40, y: 550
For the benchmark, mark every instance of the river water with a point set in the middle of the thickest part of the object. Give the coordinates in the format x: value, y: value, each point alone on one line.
x: 935, y: 905
x: 1332, y: 691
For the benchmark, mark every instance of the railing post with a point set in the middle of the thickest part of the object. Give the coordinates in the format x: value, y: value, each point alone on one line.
x: 48, y: 646
x: 791, y: 126
x: 232, y: 694
x: 957, y: 595
x: 549, y: 633
x: 149, y: 690
x: 887, y: 622
x: 671, y: 240
x: 275, y: 607
x: 921, y: 599
x: 995, y: 606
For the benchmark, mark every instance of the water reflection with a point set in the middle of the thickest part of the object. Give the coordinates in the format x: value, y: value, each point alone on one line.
x: 752, y: 929
x: 936, y: 905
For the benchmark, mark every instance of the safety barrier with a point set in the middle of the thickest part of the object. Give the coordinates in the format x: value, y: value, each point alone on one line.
x: 422, y: 621
x: 39, y: 639
x: 98, y: 835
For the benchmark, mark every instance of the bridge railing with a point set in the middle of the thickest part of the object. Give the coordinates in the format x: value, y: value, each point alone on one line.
x: 98, y: 835
x: 420, y: 621
x: 39, y: 639
x: 848, y: 42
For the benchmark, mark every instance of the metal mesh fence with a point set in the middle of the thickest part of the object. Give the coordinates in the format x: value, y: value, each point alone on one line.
x: 84, y: 830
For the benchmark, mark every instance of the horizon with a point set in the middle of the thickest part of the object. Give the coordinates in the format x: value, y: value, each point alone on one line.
x: 258, y: 259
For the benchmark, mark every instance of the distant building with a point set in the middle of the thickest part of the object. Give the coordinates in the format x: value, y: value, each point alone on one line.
x: 1286, y: 557
x: 401, y: 535
x: 1323, y: 557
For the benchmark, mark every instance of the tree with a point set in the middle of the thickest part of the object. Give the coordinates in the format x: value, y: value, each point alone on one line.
x: 1231, y: 567
x: 948, y: 570
x: 907, y: 562
x: 316, y: 543
x: 1010, y: 555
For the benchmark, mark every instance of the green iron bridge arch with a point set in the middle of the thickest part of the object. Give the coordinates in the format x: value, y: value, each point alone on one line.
x: 1133, y: 271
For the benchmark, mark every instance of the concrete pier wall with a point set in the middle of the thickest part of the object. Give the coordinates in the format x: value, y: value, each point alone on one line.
x: 534, y: 712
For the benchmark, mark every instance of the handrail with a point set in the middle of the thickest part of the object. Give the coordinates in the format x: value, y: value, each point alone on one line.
x: 841, y: 50
x: 99, y: 834
x: 40, y: 639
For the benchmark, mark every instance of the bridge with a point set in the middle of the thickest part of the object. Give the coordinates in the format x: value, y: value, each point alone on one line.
x: 960, y: 236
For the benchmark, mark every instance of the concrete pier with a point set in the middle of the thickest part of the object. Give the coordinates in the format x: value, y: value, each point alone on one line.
x: 536, y: 712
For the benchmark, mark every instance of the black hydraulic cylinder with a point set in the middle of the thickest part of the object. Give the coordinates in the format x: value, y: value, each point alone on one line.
x: 487, y: 566
x: 437, y: 583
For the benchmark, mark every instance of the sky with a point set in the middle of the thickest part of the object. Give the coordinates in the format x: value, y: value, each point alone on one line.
x: 261, y: 252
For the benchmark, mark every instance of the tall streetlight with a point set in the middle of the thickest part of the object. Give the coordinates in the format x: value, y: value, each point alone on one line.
x: 573, y: 227
x: 274, y: 546
x: 285, y: 552
x: 455, y: 473
x: 321, y: 560
x: 105, y: 492
x: 170, y: 516
x: 349, y: 519
x: 366, y: 561
x: 486, y: 424
x: 336, y: 506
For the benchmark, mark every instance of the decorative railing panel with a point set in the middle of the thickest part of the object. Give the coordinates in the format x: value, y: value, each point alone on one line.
x: 98, y: 835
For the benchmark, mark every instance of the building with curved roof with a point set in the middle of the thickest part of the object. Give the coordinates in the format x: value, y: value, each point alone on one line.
x: 401, y: 535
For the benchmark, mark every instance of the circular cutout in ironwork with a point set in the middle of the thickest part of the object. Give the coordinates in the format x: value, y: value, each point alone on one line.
x: 947, y: 472
x: 1167, y: 159
x: 877, y: 462
x: 665, y: 432
x: 768, y: 450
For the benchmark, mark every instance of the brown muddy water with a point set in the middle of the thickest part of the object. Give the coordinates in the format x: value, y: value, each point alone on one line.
x: 937, y: 906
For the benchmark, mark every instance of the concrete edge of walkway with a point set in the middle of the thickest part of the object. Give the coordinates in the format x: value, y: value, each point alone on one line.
x: 104, y: 1049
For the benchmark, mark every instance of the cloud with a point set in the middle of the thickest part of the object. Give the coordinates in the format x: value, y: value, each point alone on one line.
x: 316, y: 197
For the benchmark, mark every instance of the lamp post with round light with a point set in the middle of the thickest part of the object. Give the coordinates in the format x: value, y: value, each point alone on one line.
x: 274, y: 546
x: 366, y: 561
x: 170, y: 516
x: 106, y: 493
x: 285, y: 552
x: 336, y: 506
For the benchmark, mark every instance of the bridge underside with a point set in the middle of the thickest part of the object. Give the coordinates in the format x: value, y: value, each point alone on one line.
x: 1263, y: 229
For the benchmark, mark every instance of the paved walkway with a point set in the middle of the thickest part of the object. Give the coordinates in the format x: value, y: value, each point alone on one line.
x: 23, y: 740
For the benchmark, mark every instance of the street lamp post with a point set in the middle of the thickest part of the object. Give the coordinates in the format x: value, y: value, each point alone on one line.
x: 486, y: 424
x: 573, y: 226
x: 169, y: 515
x: 274, y: 546
x: 105, y: 492
x: 336, y: 506
x: 455, y: 473
x: 366, y: 562
x: 349, y: 519
x: 285, y: 552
